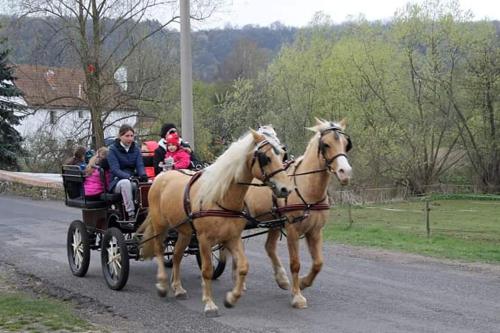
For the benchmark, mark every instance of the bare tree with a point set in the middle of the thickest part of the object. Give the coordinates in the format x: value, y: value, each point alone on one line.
x: 87, y: 26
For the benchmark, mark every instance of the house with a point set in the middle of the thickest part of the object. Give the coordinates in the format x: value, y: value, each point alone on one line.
x: 56, y: 104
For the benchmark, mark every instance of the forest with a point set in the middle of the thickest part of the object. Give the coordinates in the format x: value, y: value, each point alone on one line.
x: 421, y: 93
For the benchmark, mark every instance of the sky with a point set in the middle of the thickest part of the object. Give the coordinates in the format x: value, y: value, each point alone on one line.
x: 299, y: 13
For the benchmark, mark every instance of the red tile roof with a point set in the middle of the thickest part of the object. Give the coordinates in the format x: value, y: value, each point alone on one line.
x: 57, y: 87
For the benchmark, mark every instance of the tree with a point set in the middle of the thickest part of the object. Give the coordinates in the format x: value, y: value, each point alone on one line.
x: 86, y: 26
x: 245, y: 61
x: 10, y: 139
x: 477, y: 104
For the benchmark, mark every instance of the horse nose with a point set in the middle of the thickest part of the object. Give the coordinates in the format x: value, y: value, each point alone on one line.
x: 284, y: 191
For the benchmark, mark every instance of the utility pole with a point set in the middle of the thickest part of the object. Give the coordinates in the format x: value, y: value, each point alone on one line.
x: 186, y: 75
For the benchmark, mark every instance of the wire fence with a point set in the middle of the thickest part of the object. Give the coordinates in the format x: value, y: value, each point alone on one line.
x: 472, y: 215
x: 364, y: 195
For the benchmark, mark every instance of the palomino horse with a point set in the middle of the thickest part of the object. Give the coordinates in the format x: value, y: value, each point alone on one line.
x: 212, y: 208
x: 307, y: 207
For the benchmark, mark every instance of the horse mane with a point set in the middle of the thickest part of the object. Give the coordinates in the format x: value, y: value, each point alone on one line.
x: 228, y: 168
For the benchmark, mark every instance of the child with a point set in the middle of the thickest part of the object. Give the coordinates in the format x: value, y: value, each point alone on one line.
x: 78, y: 157
x: 93, y: 185
x: 176, y: 157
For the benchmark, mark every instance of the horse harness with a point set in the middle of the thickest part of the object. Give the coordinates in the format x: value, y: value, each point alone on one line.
x: 259, y: 157
x: 277, y: 212
x: 320, y: 204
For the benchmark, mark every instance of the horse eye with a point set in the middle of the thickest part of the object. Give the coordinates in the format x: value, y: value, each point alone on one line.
x: 326, y: 145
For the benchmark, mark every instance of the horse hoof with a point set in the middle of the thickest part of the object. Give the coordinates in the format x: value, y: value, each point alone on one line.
x: 284, y: 285
x: 162, y: 292
x: 181, y: 296
x: 303, y: 285
x: 227, y: 304
x: 211, y: 313
x: 299, y: 302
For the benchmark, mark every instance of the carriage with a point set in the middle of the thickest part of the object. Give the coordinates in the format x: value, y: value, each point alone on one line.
x: 104, y: 228
x: 215, y: 211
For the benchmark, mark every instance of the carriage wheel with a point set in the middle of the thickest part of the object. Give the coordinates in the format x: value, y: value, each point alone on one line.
x: 218, y: 260
x: 78, y: 248
x: 114, y: 259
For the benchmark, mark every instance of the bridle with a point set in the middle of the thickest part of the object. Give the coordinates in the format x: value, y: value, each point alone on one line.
x: 262, y: 159
x: 322, y: 146
x: 322, y: 150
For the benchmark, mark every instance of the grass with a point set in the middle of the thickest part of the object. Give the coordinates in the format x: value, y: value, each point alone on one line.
x: 21, y: 312
x: 460, y: 229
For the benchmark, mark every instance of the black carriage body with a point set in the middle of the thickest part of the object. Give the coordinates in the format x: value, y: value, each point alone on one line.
x: 99, y: 213
x: 105, y: 227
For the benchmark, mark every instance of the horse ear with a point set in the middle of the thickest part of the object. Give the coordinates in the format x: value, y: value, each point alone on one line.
x: 318, y: 121
x: 256, y: 136
x: 343, y: 123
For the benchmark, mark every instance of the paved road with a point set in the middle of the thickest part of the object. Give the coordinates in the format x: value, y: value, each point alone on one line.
x: 354, y: 292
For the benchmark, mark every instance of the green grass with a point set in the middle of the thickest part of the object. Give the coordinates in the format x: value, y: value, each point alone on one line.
x: 460, y: 229
x: 22, y: 312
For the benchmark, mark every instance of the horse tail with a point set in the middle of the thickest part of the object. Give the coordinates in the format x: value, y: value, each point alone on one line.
x: 144, y: 225
x: 147, y: 229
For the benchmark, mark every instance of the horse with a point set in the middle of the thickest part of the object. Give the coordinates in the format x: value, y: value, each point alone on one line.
x: 210, y: 204
x: 306, y: 209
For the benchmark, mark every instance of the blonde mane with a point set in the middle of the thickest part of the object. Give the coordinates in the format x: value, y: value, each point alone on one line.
x: 228, y: 168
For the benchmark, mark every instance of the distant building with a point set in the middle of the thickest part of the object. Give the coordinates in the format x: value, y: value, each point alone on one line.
x: 56, y: 103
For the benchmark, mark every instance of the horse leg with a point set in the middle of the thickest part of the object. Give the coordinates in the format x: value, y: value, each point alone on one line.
x: 180, y: 245
x: 298, y: 300
x: 315, y: 244
x: 235, y: 271
x: 279, y: 271
x: 211, y: 310
x: 162, y: 277
x: 236, y: 248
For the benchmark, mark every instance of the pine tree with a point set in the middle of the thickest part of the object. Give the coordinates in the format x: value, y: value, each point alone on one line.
x: 10, y: 139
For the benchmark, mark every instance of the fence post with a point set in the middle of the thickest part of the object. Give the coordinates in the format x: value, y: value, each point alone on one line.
x: 349, y: 206
x: 427, y: 222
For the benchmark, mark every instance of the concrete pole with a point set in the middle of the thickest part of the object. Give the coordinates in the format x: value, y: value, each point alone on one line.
x: 186, y: 75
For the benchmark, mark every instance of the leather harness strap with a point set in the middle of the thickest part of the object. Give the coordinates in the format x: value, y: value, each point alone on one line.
x: 223, y: 212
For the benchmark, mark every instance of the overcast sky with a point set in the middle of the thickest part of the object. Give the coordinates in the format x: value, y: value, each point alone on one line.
x: 299, y: 12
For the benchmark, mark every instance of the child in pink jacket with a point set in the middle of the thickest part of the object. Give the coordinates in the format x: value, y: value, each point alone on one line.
x: 93, y: 185
x: 176, y: 156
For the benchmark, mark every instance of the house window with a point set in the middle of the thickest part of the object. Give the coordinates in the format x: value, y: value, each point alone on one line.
x: 80, y: 114
x: 52, y: 115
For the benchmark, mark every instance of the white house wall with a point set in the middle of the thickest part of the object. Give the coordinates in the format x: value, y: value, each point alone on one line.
x: 70, y: 125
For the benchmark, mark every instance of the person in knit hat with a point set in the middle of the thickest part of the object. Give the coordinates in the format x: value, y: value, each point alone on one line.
x: 159, y: 153
x: 176, y: 157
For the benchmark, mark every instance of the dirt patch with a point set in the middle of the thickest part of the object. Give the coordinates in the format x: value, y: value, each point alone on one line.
x: 409, y: 258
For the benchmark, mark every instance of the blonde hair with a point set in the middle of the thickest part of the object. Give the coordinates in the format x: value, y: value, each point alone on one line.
x: 101, y: 154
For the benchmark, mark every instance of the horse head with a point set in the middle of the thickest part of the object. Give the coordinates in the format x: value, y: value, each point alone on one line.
x: 266, y: 163
x: 333, y: 146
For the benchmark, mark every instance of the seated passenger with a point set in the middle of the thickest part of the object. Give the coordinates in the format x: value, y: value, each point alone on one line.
x: 125, y: 162
x: 159, y: 155
x: 78, y: 158
x: 93, y: 185
x: 176, y: 157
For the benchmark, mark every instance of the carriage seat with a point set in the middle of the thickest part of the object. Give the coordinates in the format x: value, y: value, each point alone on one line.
x: 73, y: 179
